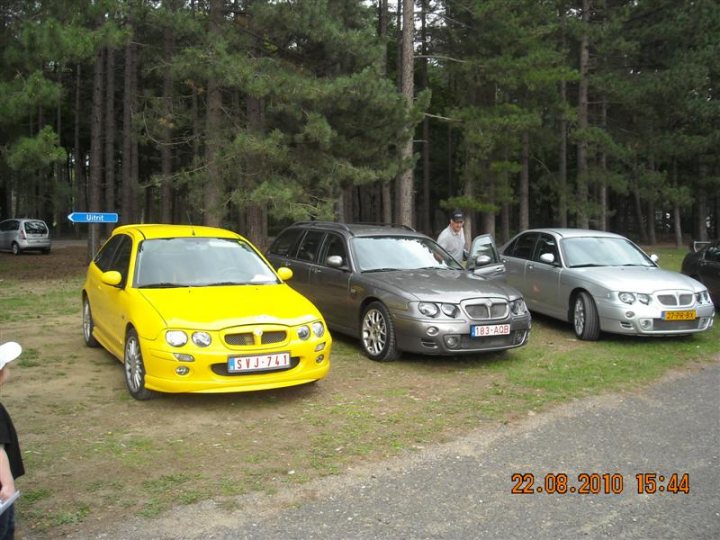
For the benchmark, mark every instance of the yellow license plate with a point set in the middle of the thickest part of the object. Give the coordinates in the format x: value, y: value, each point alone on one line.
x: 688, y: 315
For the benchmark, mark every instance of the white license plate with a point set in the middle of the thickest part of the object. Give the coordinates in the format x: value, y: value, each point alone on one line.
x: 262, y: 362
x: 490, y: 330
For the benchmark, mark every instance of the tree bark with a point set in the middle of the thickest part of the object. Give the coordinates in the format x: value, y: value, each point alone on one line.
x: 110, y: 203
x: 213, y: 123
x: 524, y: 191
x: 406, y: 193
x: 127, y: 206
x: 96, y: 148
x: 166, y: 191
x: 582, y: 165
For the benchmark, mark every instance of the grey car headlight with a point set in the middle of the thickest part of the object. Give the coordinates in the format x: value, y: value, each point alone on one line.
x: 428, y: 309
x: 451, y: 310
x: 703, y: 297
x: 518, y: 307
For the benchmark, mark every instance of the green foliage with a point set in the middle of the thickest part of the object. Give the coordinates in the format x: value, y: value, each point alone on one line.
x: 32, y: 153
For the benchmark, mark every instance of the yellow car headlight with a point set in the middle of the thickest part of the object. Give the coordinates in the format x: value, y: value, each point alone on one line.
x: 176, y: 338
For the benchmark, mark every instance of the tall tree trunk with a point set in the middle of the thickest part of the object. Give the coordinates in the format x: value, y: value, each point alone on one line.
x: 524, y: 191
x: 406, y: 192
x: 213, y: 136
x: 562, y: 158
x: 166, y: 191
x: 79, y: 168
x: 96, y: 149
x: 582, y: 165
x: 110, y: 203
x: 677, y: 214
x: 424, y: 221
x: 127, y: 205
x: 602, y: 188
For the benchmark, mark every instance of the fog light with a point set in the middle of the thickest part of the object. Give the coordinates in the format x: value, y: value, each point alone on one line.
x: 629, y: 314
x: 182, y: 370
x: 432, y: 331
x: 319, y: 347
x: 452, y: 342
x: 184, y: 357
x: 646, y: 324
x: 519, y: 337
x: 320, y: 358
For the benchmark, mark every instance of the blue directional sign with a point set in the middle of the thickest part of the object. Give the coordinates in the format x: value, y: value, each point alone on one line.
x: 93, y: 217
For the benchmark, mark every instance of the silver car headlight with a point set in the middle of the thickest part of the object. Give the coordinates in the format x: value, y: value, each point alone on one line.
x: 703, y: 297
x: 176, y: 338
x: 518, y: 307
x: 428, y: 309
x: 201, y: 339
x: 631, y: 298
x: 318, y: 329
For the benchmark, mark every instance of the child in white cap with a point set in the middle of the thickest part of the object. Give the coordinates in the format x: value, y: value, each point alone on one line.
x: 11, y: 464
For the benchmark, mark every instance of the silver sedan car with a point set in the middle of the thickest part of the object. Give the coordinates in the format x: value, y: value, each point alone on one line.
x: 601, y: 281
x: 398, y: 290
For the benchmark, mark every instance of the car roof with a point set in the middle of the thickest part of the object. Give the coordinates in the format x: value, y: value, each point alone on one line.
x: 158, y: 230
x: 575, y: 233
x: 360, y: 229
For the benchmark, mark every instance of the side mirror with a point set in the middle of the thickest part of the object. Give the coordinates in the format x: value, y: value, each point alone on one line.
x: 482, y: 260
x: 112, y: 278
x: 654, y: 258
x: 284, y: 273
x: 334, y: 261
x: 547, y: 258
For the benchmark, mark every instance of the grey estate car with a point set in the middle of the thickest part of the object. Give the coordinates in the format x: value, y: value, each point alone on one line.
x: 18, y: 235
x: 602, y: 281
x: 397, y: 290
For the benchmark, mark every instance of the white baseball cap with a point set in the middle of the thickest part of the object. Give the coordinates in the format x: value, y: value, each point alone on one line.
x: 8, y: 352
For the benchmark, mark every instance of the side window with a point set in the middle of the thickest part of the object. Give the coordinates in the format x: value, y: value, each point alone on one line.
x: 523, y: 247
x: 105, y: 255
x: 121, y: 261
x: 334, y: 245
x: 713, y: 253
x: 310, y: 246
x: 546, y: 244
x: 285, y: 244
x: 6, y: 226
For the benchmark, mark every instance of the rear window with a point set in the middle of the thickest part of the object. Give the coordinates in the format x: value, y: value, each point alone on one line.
x: 36, y: 227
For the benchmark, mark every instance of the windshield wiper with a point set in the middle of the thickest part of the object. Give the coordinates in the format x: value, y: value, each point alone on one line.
x: 588, y: 265
x: 162, y: 285
x: 380, y: 270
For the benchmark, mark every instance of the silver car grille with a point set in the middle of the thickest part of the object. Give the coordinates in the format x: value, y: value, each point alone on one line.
x: 675, y: 298
x: 482, y: 309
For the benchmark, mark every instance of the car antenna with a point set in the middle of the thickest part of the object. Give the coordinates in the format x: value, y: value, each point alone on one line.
x: 192, y: 227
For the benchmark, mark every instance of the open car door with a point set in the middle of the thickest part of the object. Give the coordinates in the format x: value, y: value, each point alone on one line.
x: 484, y: 259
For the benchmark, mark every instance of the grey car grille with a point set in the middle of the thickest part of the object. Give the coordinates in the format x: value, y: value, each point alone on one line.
x: 486, y: 309
x: 675, y: 298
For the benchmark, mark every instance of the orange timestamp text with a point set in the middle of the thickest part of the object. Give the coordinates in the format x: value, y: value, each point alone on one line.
x: 648, y: 483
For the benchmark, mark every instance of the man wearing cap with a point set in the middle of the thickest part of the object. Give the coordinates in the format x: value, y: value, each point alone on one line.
x: 11, y: 464
x: 452, y: 237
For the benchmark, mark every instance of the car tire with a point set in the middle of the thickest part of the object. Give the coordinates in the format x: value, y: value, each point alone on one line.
x: 377, y: 334
x: 88, y: 325
x: 586, y: 322
x: 135, y: 368
x: 16, y: 248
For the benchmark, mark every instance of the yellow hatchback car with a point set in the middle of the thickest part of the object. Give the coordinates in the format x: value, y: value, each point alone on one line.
x: 198, y: 309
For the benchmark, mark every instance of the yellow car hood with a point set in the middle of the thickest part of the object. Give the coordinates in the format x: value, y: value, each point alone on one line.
x: 215, y: 308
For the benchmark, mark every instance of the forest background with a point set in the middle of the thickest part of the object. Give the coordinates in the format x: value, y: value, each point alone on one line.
x: 250, y: 114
